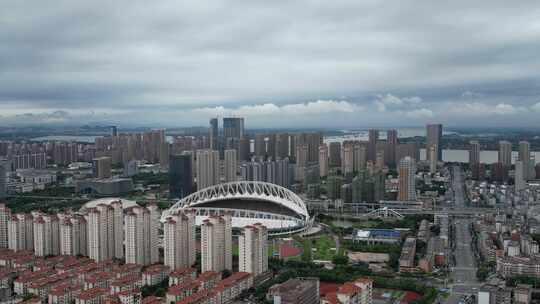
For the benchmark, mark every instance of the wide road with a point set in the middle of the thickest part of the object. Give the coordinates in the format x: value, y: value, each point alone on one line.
x: 463, y: 272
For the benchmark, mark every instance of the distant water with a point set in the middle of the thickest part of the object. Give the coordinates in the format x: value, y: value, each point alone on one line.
x: 75, y: 138
x: 363, y: 134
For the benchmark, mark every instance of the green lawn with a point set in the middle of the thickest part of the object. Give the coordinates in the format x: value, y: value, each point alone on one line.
x: 322, y: 248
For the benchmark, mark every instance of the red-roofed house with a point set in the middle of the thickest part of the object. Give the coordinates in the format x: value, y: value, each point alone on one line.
x: 155, y: 274
x: 92, y: 296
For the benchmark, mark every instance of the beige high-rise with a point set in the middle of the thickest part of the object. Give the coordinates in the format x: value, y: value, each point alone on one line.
x: 21, y: 232
x: 216, y: 244
x: 347, y: 160
x: 73, y: 236
x: 5, y: 215
x: 141, y: 229
x: 179, y: 240
x: 323, y: 160
x: 46, y: 235
x: 105, y: 232
x: 253, y: 249
x: 407, y: 186
x: 207, y: 167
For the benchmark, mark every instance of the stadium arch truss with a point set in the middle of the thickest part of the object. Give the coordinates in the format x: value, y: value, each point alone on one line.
x: 206, y: 202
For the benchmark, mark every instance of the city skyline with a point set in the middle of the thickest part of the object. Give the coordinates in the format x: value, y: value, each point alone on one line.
x: 335, y: 65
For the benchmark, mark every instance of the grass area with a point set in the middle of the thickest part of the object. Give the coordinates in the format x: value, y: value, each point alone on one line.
x: 323, y: 248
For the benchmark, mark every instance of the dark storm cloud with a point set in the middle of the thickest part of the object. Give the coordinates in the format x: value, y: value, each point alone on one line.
x: 180, y: 62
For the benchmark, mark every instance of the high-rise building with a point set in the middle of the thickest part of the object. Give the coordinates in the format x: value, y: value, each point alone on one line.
x: 230, y: 165
x: 333, y: 184
x: 260, y: 145
x: 214, y: 134
x: 520, y: 175
x: 5, y: 216
x: 391, y: 146
x: 141, y: 235
x: 180, y: 175
x: 73, y: 236
x: 360, y: 156
x: 105, y: 232
x: 323, y: 160
x: 271, y: 146
x: 505, y: 153
x: 102, y: 167
x: 114, y: 131
x: 335, y: 154
x: 433, y: 159
x: 313, y: 141
x: 207, y: 168
x: 433, y: 138
x: 408, y: 149
x: 373, y: 138
x: 244, y: 149
x: 179, y: 239
x: 407, y: 186
x: 524, y: 151
x: 46, y: 235
x: 253, y: 249
x: 282, y: 145
x: 216, y: 244
x: 301, y: 161
x: 474, y: 152
x: 379, y: 161
x: 347, y: 161
x: 524, y: 155
x: 233, y: 127
x: 3, y: 171
x: 21, y: 232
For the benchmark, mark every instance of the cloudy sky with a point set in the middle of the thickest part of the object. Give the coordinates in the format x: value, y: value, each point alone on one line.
x: 277, y: 63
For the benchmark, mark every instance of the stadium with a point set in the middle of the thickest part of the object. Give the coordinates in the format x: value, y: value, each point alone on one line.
x: 250, y: 202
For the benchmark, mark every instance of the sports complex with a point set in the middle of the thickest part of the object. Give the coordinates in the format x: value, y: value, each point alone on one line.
x: 249, y: 202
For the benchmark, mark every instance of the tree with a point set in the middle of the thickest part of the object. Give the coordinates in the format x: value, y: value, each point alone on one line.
x: 340, y: 259
x: 306, y: 254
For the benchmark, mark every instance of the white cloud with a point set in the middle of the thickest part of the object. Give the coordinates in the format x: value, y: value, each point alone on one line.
x: 389, y: 102
x: 536, y: 107
x: 480, y: 109
x: 419, y: 114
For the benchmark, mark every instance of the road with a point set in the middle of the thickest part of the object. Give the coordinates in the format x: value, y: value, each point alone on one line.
x: 463, y: 272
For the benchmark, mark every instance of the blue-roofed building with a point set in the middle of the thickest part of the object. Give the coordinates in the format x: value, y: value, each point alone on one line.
x: 377, y: 236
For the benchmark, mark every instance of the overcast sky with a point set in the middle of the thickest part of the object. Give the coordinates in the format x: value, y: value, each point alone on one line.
x: 277, y: 63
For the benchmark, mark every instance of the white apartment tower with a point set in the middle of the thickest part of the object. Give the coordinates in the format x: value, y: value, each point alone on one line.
x: 230, y: 165
x: 253, y: 249
x: 216, y: 243
x: 73, y: 236
x: 207, y: 167
x: 5, y: 215
x: 46, y: 235
x: 179, y: 239
x: 21, y: 232
x: 141, y: 229
x: 105, y: 232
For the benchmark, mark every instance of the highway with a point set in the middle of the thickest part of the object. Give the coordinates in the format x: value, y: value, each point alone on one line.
x: 463, y: 272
